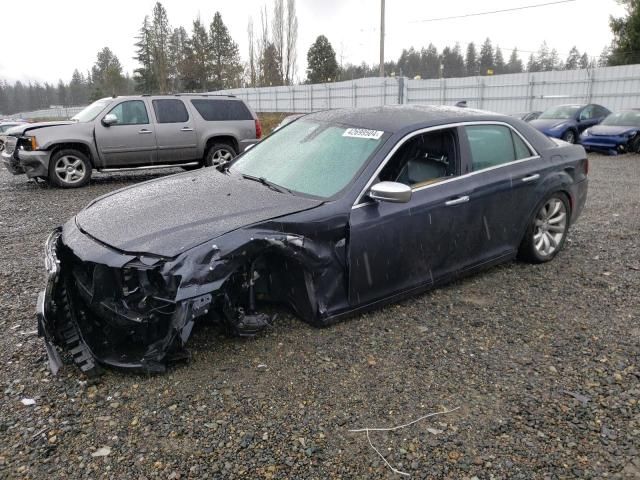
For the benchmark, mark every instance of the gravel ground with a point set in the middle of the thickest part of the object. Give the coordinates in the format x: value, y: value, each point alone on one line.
x: 543, y: 362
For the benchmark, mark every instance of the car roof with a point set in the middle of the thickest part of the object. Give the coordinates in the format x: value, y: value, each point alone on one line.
x: 173, y: 95
x: 392, y: 118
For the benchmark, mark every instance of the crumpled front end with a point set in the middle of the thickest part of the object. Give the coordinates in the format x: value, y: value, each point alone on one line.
x: 611, y: 144
x: 106, y: 307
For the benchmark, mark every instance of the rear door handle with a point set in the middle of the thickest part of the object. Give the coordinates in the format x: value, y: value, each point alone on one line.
x: 457, y: 201
x: 186, y: 129
x: 531, y: 178
x: 144, y: 131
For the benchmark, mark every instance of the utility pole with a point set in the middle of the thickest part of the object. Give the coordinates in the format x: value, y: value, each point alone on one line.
x: 382, y: 38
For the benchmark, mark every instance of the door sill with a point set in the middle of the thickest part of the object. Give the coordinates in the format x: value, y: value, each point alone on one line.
x: 149, y: 167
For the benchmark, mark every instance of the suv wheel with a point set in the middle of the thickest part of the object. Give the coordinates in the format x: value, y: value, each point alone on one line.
x: 69, y: 169
x: 219, y: 154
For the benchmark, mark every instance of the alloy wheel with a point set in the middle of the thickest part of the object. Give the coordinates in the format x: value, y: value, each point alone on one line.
x: 550, y: 227
x: 70, y: 169
x: 220, y: 157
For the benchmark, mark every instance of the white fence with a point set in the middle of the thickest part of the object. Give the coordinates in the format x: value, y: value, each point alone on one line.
x: 614, y: 87
x: 49, y: 113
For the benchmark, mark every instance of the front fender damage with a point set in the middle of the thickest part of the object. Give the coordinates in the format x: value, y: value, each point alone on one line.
x: 106, y: 307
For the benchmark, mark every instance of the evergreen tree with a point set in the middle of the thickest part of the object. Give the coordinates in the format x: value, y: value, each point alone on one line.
x: 452, y: 62
x: 573, y: 60
x: 270, y: 66
x: 410, y: 62
x: 78, y: 89
x: 605, y: 57
x: 487, y: 61
x: 160, y: 33
x: 626, y: 35
x: 144, y: 76
x: 198, y: 59
x: 532, y: 64
x: 500, y: 66
x: 322, y: 65
x: 106, y: 74
x: 515, y: 64
x: 430, y: 62
x: 585, y: 62
x: 471, y: 60
x: 226, y: 66
x: 62, y: 94
x: 178, y: 50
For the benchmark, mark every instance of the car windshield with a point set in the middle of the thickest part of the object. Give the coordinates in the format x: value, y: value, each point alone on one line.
x: 310, y: 157
x: 560, y: 112
x: 623, y: 119
x: 92, y: 111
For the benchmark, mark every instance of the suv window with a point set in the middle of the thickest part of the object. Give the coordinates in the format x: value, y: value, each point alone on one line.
x: 423, y: 159
x: 131, y: 112
x: 493, y: 145
x: 221, y: 110
x: 170, y: 111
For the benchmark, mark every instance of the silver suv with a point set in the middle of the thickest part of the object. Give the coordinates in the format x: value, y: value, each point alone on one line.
x: 134, y: 132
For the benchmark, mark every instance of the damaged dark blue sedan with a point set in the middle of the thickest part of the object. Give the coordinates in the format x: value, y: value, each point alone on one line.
x: 339, y: 212
x: 618, y: 133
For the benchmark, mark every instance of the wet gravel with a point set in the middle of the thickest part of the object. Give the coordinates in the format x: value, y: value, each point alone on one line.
x: 543, y: 362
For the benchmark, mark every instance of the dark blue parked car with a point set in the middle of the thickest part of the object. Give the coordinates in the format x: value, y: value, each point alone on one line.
x: 567, y: 122
x: 339, y: 212
x: 618, y: 133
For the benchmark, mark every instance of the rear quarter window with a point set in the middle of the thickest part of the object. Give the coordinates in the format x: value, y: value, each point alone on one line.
x: 221, y: 110
x: 170, y: 111
x: 493, y: 145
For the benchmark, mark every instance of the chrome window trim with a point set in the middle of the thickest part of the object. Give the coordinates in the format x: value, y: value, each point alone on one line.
x: 359, y: 203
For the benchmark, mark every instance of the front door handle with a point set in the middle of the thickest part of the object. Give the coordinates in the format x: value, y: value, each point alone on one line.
x: 531, y: 178
x: 186, y: 129
x: 457, y: 201
x: 144, y: 131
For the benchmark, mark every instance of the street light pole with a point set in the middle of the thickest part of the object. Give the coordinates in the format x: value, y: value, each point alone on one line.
x: 382, y: 38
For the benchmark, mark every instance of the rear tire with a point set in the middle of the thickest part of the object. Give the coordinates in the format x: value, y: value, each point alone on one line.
x: 569, y: 136
x: 69, y: 168
x: 219, y: 154
x: 547, y: 230
x: 634, y: 146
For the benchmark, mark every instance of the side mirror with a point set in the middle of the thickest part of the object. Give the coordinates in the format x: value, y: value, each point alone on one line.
x: 109, y: 119
x: 394, y: 192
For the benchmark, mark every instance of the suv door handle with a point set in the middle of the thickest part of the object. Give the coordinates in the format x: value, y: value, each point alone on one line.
x: 531, y: 178
x: 186, y: 129
x: 144, y: 131
x: 457, y: 201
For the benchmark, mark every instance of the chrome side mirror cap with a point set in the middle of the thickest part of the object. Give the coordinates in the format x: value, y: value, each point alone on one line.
x: 394, y: 192
x: 109, y: 119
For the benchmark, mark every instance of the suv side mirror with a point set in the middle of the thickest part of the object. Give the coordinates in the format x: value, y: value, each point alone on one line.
x: 394, y: 192
x: 109, y: 119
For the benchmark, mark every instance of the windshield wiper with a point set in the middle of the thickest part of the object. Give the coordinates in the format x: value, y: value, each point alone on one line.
x: 267, y: 183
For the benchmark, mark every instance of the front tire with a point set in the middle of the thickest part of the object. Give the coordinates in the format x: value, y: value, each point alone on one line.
x: 69, y: 168
x: 569, y: 136
x: 219, y: 154
x: 547, y: 231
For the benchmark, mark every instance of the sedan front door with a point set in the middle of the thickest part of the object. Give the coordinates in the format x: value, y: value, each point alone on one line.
x: 394, y: 247
x: 131, y: 140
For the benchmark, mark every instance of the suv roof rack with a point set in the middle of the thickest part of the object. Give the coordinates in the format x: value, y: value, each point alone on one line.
x: 205, y: 95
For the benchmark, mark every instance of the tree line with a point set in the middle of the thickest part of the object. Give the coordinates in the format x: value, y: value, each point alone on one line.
x: 207, y: 58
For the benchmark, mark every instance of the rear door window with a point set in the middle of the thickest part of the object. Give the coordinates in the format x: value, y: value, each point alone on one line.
x: 221, y: 110
x: 493, y: 145
x: 131, y: 112
x: 170, y: 111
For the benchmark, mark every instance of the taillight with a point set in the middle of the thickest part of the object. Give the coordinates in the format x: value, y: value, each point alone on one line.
x: 258, y: 129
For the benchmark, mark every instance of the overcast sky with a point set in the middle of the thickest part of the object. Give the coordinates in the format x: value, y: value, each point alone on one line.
x: 54, y: 37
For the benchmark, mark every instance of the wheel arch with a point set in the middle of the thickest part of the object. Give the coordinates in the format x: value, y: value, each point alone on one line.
x: 81, y: 147
x: 228, y: 139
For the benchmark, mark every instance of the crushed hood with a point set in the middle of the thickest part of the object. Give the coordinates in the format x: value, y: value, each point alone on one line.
x: 22, y: 129
x: 612, y: 130
x: 170, y: 215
